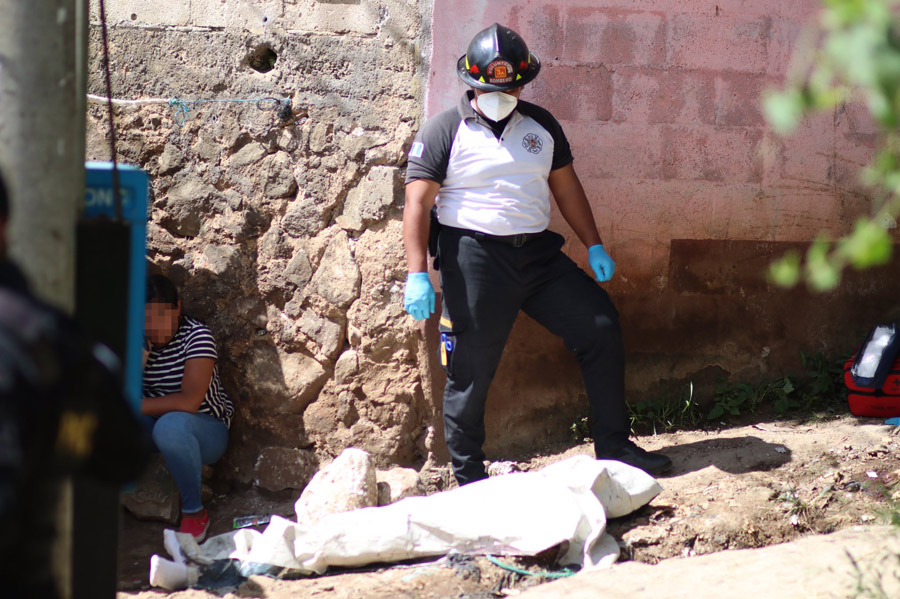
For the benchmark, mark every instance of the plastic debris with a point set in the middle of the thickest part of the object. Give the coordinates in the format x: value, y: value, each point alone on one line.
x: 255, y: 520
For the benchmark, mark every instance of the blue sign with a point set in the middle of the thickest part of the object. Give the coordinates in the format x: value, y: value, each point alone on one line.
x: 99, y: 203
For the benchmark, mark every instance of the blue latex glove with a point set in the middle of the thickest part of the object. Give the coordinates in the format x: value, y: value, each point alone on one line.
x: 418, y: 299
x: 893, y: 421
x: 602, y: 265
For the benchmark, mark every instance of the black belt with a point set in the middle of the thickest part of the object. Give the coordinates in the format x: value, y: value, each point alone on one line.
x: 513, y: 240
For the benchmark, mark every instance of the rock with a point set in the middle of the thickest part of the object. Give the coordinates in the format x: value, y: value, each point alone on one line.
x: 298, y: 271
x: 160, y: 240
x: 186, y: 204
x: 252, y: 152
x: 273, y: 245
x: 830, y: 565
x: 354, y: 335
x: 283, y: 382
x: 346, y: 366
x: 233, y: 199
x: 156, y: 495
x: 207, y: 149
x: 303, y: 218
x: 346, y: 484
x: 369, y: 201
x: 318, y: 138
x: 277, y: 176
x: 287, y: 140
x: 337, y: 279
x: 325, y: 333
x: 171, y: 160
x: 396, y: 484
x: 216, y: 258
x: 279, y: 468
x: 346, y: 408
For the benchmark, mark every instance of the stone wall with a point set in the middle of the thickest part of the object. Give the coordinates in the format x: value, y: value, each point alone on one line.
x: 282, y: 228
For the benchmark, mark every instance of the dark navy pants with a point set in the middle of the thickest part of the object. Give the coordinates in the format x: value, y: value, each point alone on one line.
x: 485, y: 283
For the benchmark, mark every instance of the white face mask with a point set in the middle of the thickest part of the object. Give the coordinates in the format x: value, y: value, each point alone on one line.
x: 496, y: 105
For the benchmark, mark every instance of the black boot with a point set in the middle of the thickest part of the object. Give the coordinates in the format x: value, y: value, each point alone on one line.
x: 631, y: 454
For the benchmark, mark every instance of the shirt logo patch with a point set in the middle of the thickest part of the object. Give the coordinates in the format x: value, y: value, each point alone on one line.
x: 532, y: 143
x: 416, y: 150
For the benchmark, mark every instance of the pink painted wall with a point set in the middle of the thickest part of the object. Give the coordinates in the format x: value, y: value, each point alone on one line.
x: 692, y: 192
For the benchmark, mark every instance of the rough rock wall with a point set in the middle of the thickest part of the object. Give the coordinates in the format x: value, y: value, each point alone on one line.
x: 282, y: 230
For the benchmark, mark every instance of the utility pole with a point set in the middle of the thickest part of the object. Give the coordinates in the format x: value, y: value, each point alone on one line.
x: 42, y: 130
x: 41, y: 141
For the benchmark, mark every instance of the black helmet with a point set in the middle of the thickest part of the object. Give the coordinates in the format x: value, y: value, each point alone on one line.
x: 497, y: 60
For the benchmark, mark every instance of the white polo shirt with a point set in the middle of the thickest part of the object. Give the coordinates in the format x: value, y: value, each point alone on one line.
x: 493, y: 178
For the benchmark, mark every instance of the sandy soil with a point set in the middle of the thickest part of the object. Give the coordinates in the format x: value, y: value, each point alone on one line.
x: 741, y: 487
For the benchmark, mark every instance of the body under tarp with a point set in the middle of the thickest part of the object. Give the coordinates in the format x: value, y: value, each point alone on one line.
x: 523, y: 514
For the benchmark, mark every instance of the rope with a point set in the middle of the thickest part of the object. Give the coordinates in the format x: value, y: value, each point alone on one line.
x: 182, y: 111
x: 564, y: 573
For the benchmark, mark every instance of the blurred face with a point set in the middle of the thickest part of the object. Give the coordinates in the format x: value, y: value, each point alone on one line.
x: 161, y: 322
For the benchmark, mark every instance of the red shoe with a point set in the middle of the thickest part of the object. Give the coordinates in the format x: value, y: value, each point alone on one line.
x: 195, y: 524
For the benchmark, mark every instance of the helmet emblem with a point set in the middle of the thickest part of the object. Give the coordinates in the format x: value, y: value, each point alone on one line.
x: 532, y: 143
x: 499, y: 71
x: 474, y: 70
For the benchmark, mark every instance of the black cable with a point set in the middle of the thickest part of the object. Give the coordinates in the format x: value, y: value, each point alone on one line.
x: 117, y: 199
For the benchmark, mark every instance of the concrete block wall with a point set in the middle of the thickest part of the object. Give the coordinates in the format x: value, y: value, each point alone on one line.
x: 660, y: 101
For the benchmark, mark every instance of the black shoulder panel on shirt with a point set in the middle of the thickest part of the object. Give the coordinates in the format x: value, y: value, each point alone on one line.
x: 430, y: 152
x: 562, y: 153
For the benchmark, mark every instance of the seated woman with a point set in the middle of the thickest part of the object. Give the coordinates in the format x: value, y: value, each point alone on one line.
x: 184, y: 401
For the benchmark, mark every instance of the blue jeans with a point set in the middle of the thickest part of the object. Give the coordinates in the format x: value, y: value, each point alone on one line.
x: 187, y: 442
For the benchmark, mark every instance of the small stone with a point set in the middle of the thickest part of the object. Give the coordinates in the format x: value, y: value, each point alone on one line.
x: 171, y: 160
x: 346, y: 366
x: 396, y: 484
x: 279, y: 468
x: 252, y: 152
x: 155, y: 496
x: 346, y: 484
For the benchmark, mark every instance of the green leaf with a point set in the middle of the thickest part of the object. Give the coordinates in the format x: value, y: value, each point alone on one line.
x: 868, y: 245
x: 786, y: 270
x: 783, y: 110
x: 788, y: 386
x: 821, y: 273
x: 716, y: 412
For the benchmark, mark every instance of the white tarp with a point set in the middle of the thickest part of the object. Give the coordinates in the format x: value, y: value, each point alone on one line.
x: 513, y: 514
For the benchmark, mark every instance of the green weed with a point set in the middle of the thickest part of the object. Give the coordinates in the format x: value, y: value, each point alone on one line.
x: 674, y: 410
x: 581, y: 430
x: 819, y: 388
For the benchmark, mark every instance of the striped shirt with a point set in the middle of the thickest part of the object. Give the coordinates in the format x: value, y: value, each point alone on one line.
x: 164, y: 370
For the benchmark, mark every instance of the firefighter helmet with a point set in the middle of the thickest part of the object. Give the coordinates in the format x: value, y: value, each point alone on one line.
x: 497, y: 60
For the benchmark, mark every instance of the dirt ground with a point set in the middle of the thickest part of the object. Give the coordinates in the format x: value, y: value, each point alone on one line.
x: 737, y: 487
